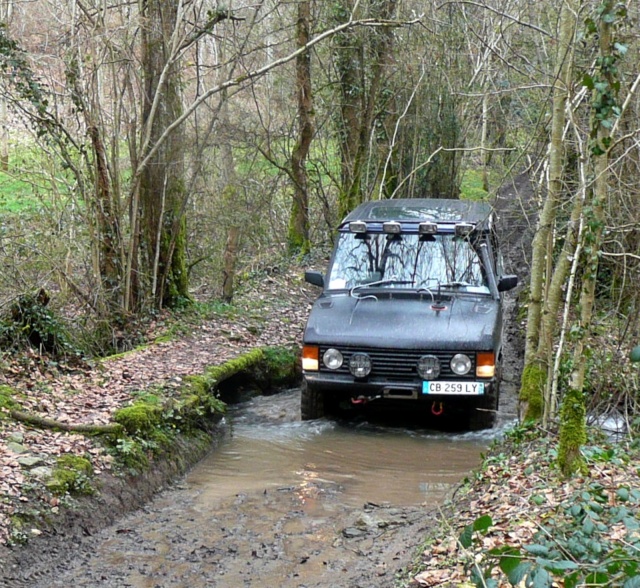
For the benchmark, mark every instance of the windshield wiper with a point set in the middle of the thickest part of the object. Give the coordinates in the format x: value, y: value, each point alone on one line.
x: 388, y: 282
x: 454, y: 284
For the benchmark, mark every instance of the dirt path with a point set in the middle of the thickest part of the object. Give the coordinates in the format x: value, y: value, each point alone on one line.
x: 306, y: 540
x: 289, y: 535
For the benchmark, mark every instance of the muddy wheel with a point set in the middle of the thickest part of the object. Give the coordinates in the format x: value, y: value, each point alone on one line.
x: 311, y: 402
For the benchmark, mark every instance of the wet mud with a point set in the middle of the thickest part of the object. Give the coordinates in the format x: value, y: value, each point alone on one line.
x: 285, y: 503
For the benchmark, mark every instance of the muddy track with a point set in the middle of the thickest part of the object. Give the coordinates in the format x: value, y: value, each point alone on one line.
x: 286, y: 536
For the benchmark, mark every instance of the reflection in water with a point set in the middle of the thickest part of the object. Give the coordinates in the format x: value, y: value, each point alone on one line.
x: 362, y: 463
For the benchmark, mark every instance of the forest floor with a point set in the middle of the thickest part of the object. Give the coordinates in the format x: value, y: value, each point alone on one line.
x: 514, y: 517
x: 271, y: 312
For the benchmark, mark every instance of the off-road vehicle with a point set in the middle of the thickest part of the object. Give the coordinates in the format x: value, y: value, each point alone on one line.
x: 410, y: 312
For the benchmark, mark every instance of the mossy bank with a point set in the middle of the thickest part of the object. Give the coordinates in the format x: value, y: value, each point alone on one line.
x: 151, y: 441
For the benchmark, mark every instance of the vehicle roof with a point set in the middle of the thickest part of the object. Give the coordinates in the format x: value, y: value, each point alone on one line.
x: 424, y: 209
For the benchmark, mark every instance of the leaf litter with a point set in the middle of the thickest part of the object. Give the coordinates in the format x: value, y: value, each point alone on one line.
x: 270, y: 312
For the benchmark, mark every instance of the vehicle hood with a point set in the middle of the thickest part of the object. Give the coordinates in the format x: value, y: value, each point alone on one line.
x: 404, y: 322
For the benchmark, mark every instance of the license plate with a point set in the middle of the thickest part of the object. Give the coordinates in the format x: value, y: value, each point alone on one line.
x: 454, y: 388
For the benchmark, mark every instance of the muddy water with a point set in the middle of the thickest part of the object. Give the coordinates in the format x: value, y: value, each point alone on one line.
x: 367, y: 462
x: 287, y: 504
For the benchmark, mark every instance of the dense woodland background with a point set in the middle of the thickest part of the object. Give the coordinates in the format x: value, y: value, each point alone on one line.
x: 157, y: 153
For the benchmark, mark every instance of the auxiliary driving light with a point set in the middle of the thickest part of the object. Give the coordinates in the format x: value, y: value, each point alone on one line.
x: 464, y: 229
x: 460, y: 364
x: 428, y: 367
x: 427, y: 228
x: 333, y: 359
x: 358, y: 227
x: 392, y: 227
x: 360, y: 365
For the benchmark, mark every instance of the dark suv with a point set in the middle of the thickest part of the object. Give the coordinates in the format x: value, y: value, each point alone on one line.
x: 410, y: 311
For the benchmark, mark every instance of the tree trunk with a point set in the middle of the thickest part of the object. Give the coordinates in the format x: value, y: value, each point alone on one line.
x: 535, y: 370
x: 361, y: 79
x: 299, y: 221
x: 573, y: 423
x: 230, y: 259
x: 162, y: 185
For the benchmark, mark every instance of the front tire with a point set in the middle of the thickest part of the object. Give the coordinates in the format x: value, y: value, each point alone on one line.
x: 482, y: 414
x: 312, y: 405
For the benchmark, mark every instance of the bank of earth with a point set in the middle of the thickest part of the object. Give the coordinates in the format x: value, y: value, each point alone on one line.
x: 152, y: 442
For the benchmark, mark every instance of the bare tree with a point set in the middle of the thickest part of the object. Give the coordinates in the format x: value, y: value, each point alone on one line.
x: 299, y: 224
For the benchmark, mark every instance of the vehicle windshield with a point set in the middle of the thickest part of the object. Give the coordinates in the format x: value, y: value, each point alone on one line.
x: 407, y: 261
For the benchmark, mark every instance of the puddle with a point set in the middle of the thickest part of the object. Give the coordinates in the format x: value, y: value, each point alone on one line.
x: 286, y: 503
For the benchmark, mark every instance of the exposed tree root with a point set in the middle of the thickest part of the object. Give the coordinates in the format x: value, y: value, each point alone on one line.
x: 45, y: 423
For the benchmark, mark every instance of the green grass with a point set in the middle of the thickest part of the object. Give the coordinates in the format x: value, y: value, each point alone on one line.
x: 471, y: 188
x: 15, y: 195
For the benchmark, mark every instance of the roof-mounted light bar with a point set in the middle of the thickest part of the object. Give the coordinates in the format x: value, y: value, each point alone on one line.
x: 358, y: 227
x: 391, y: 227
x: 464, y: 229
x: 427, y: 228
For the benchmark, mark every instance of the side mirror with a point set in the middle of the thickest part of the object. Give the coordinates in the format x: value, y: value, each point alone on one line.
x: 315, y: 278
x: 507, y: 283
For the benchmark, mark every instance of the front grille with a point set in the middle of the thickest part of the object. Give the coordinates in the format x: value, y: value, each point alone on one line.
x: 398, y: 364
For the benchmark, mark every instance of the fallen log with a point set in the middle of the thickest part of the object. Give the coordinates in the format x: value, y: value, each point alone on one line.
x: 46, y: 423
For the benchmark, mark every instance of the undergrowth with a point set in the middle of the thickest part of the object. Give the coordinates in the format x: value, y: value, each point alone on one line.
x: 590, y: 538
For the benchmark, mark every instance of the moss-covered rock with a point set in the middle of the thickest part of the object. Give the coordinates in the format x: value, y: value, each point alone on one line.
x: 245, y: 363
x: 72, y: 474
x: 141, y: 417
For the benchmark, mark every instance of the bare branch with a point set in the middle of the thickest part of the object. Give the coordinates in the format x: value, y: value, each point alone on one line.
x: 496, y: 11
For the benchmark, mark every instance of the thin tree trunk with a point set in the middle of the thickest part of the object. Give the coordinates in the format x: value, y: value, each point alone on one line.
x: 535, y: 369
x: 230, y: 261
x: 572, y: 434
x: 299, y: 221
x: 4, y: 137
x: 484, y: 140
x: 567, y: 264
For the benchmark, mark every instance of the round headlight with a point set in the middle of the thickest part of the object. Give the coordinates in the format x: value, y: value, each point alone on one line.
x: 460, y: 364
x: 333, y: 359
x: 360, y: 365
x: 428, y: 367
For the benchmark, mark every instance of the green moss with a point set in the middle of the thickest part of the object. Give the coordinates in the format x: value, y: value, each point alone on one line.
x: 198, y: 385
x: 117, y: 356
x: 148, y: 397
x: 573, y: 432
x: 71, y: 474
x: 129, y: 454
x: 7, y: 398
x: 217, y: 374
x: 534, y: 378
x: 281, y: 365
x: 140, y: 417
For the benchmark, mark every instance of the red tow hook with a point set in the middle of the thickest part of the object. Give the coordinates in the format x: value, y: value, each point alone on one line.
x: 359, y: 400
x: 437, y: 411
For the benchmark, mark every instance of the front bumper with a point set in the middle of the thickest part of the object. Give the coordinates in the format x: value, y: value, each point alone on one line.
x: 346, y: 386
